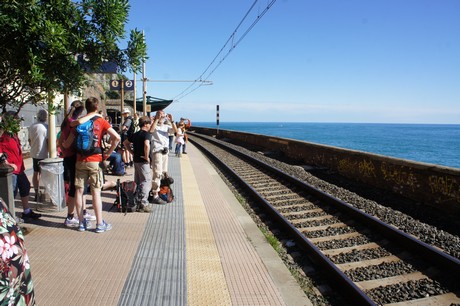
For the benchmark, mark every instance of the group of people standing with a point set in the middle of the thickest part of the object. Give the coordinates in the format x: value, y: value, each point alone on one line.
x: 150, y: 147
x: 145, y: 148
x: 81, y: 171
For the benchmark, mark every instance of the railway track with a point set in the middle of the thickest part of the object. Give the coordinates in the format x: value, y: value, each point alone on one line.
x: 368, y: 261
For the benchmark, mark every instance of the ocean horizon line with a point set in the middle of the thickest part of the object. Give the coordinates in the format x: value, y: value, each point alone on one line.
x: 327, y: 122
x: 437, y: 144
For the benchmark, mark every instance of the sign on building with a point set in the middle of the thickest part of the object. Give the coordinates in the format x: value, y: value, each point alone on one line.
x: 127, y: 85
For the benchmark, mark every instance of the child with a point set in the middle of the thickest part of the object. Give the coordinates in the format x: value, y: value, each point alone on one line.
x: 179, y: 139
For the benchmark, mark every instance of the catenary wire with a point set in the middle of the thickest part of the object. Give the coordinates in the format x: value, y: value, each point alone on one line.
x: 199, y: 81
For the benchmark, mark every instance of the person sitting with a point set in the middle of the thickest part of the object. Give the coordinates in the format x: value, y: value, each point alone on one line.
x: 116, y: 164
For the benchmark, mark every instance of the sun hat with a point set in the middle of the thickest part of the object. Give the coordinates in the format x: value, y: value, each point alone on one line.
x: 126, y: 110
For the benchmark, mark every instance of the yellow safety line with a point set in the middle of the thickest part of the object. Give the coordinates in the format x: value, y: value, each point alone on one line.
x: 206, y: 283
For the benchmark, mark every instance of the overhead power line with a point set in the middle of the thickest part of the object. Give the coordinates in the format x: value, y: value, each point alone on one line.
x: 229, y: 45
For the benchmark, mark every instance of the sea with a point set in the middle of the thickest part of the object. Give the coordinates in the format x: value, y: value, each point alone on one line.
x: 428, y: 143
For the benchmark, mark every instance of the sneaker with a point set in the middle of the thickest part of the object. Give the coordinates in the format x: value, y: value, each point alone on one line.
x: 71, y: 222
x: 19, y: 220
x: 83, y: 226
x: 31, y: 215
x: 89, y: 216
x: 157, y: 200
x: 148, y: 208
x: 100, y: 228
x: 144, y: 208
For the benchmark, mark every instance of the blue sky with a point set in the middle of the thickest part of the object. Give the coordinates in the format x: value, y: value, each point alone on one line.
x: 387, y: 61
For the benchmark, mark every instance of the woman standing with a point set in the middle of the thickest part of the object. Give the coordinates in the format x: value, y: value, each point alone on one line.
x: 70, y: 158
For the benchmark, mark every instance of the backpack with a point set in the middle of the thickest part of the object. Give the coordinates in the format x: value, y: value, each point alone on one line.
x: 124, y: 201
x: 132, y: 128
x: 166, y: 193
x: 86, y: 142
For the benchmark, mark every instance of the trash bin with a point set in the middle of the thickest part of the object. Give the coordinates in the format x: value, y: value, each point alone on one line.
x: 52, y: 182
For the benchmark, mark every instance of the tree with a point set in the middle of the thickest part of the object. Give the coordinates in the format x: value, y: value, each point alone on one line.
x: 47, y: 46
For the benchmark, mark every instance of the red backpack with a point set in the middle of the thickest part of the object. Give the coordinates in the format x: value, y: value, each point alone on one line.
x: 166, y: 193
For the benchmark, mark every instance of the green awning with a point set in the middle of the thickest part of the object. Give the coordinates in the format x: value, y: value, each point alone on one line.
x: 155, y: 104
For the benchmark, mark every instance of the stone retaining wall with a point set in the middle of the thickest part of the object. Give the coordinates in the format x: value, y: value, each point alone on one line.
x: 429, y: 184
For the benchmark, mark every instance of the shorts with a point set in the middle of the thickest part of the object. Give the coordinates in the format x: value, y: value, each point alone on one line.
x: 89, y: 172
x: 36, y: 164
x: 21, y: 182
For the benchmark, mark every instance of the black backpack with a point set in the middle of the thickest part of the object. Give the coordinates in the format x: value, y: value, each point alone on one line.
x: 132, y: 128
x: 124, y: 201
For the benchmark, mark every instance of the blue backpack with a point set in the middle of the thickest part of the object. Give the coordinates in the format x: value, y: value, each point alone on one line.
x: 86, y: 142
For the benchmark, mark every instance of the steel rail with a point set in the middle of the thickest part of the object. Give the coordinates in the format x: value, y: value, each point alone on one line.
x: 342, y: 283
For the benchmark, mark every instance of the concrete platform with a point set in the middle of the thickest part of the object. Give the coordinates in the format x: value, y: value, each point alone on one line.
x: 202, y: 249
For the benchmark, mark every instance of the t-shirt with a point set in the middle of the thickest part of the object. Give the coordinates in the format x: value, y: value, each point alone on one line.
x: 138, y: 139
x: 180, y: 136
x: 100, y: 127
x: 127, y: 123
x: 12, y: 147
x: 160, y: 137
x: 38, y: 135
x: 65, y: 133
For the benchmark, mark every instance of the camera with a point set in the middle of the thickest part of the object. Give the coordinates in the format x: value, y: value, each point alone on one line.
x: 3, y: 157
x: 164, y: 151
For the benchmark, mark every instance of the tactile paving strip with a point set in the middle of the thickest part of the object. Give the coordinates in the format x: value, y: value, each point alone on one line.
x: 157, y: 276
x: 205, y: 278
x: 247, y: 277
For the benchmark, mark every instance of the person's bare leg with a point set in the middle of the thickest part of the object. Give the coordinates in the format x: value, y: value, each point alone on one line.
x: 36, y: 180
x: 97, y: 204
x: 109, y: 185
x: 70, y: 205
x: 25, y: 202
x: 83, y: 201
x: 79, y: 203
x: 125, y: 157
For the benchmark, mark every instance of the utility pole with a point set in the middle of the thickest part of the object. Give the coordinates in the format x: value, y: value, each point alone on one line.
x: 122, y: 104
x: 134, y: 94
x: 144, y: 90
x: 217, y: 118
